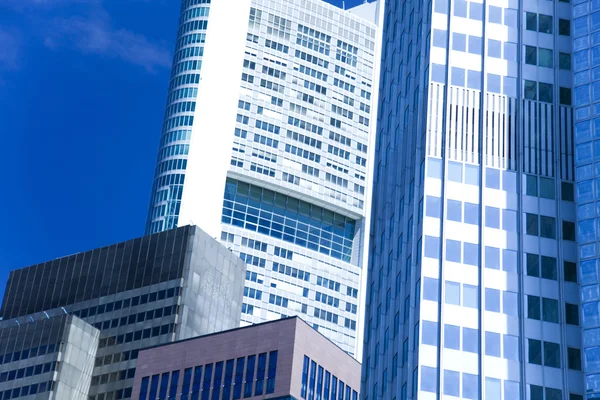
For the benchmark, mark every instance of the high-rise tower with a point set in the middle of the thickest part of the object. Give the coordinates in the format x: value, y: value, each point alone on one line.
x: 472, y: 277
x: 265, y: 145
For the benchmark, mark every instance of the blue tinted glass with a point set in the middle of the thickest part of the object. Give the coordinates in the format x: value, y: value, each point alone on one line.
x: 470, y: 340
x: 452, y: 383
x: 492, y: 300
x: 154, y: 386
x: 239, y: 377
x: 471, y: 214
x: 470, y: 385
x: 511, y: 347
x: 473, y: 82
x: 429, y: 379
x: 144, y: 388
x: 471, y: 254
x: 438, y: 73
x: 492, y: 257
x: 432, y: 247
x: 492, y: 344
x: 440, y: 38
x: 512, y: 390
x: 173, y: 385
x: 430, y: 333
x: 475, y: 44
x: 453, y: 250
x: 583, y: 131
x: 459, y: 41
x: 494, y: 83
x: 313, y: 376
x: 476, y: 11
x: 451, y: 337
x: 581, y: 60
x: 494, y: 48
x: 452, y: 293
x: 249, y: 375
x: 430, y: 289
x: 492, y: 389
x: 216, y: 393
x: 458, y: 76
x: 454, y: 210
x: 460, y: 8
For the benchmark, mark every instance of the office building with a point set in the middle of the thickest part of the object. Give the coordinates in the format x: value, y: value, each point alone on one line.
x: 283, y: 359
x: 47, y: 357
x: 473, y: 283
x: 586, y: 42
x: 265, y: 145
x: 143, y: 292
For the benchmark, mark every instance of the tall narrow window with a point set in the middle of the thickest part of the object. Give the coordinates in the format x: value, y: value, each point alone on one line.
x: 272, y: 372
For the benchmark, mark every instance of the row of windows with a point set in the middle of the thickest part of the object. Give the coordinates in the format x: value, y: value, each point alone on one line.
x: 544, y: 309
x: 544, y: 24
x: 326, y: 315
x: 252, y: 293
x: 271, y: 86
x: 174, y: 150
x: 261, y: 169
x: 277, y: 46
x: 298, y: 109
x: 338, y: 152
x: 170, y: 165
x: 183, y: 66
x: 304, y: 139
x: 342, y: 111
x: 327, y: 299
x: 300, y: 152
x: 175, y: 136
x: 254, y: 244
x: 27, y: 371
x: 318, y: 383
x: 313, y: 72
x: 192, y: 26
x: 28, y: 353
x: 171, y: 179
x: 117, y: 357
x: 312, y: 59
x: 126, y: 303
x: 135, y: 318
x: 315, y: 87
x: 545, y: 92
x: 188, y: 52
x: 28, y: 390
x: 192, y: 38
x: 336, y: 180
x: 194, y: 13
x: 545, y: 58
x: 267, y: 127
x: 344, y: 85
x: 184, y: 106
x: 328, y: 283
x: 273, y: 72
x: 253, y: 260
x: 305, y: 125
x: 291, y: 271
x: 137, y: 335
x: 190, y: 3
x: 185, y: 120
x: 186, y: 79
x: 182, y: 94
x: 235, y: 377
x: 113, y: 377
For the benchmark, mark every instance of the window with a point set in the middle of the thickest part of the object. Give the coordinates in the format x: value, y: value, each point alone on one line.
x: 534, y: 351
x: 430, y: 289
x: 470, y: 296
x: 550, y: 310
x: 453, y: 251
x: 452, y: 337
x: 565, y: 99
x: 572, y: 314
x: 492, y: 300
x: 470, y: 386
x: 545, y: 23
x: 493, y: 389
x: 530, y: 55
x: 432, y: 208
x: 564, y: 27
x: 492, y: 217
x: 429, y: 379
x: 471, y: 214
x: 511, y: 347
x: 531, y: 188
x: 494, y: 48
x: 574, y: 358
x: 547, y: 188
x: 492, y: 344
x: 568, y: 230
x: 549, y: 268
x: 566, y: 188
x: 470, y: 340
x: 531, y: 224
x: 545, y: 58
x: 510, y: 303
x: 452, y: 293
x: 531, y: 21
x: 492, y: 257
x: 570, y: 269
x: 495, y: 14
x: 430, y: 333
x: 452, y: 383
x: 545, y: 92
x: 551, y: 355
x: 530, y: 90
x: 454, y: 210
x: 547, y: 227
x: 533, y: 307
x: 533, y: 264
x: 564, y: 61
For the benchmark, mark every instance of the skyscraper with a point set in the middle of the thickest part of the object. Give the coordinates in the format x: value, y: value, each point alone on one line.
x: 265, y: 145
x: 586, y: 48
x: 472, y: 278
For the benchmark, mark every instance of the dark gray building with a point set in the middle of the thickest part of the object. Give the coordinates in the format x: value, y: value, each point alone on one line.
x: 143, y: 292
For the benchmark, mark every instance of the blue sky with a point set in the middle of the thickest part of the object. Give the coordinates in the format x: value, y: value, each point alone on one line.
x: 82, y: 93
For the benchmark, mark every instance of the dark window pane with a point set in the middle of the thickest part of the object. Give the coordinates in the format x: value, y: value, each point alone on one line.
x: 570, y: 271
x: 531, y: 224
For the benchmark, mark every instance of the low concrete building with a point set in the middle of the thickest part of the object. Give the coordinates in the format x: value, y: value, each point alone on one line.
x: 283, y: 359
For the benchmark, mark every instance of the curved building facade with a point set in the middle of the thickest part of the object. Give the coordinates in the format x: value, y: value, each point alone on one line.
x: 266, y: 145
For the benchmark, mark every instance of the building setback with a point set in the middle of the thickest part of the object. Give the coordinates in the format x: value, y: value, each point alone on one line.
x: 283, y: 359
x: 143, y: 292
x: 265, y: 144
x: 473, y: 278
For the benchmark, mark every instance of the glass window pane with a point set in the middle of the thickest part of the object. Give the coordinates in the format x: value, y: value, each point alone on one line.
x: 545, y: 58
x: 531, y: 21
x: 510, y: 303
x: 549, y: 268
x: 533, y: 307
x: 492, y: 344
x: 471, y: 213
x: 452, y: 337
x: 454, y: 210
x: 429, y: 379
x: 470, y: 341
x: 430, y: 289
x: 453, y: 251
x: 455, y: 171
x: 452, y: 383
x: 432, y: 206
x: 511, y: 347
x: 472, y: 174
x: 493, y: 389
x: 530, y: 90
x: 530, y: 55
x: 531, y: 188
x: 470, y: 296
x: 551, y: 354
x: 550, y: 310
x: 470, y: 384
x: 547, y: 227
x: 531, y: 224
x: 452, y: 293
x: 545, y: 23
x: 534, y: 348
x: 492, y: 300
x: 492, y: 217
x: 492, y: 257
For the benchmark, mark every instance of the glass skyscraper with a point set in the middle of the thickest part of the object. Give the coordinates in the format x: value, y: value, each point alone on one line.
x: 473, y: 282
x: 586, y: 68
x: 265, y: 145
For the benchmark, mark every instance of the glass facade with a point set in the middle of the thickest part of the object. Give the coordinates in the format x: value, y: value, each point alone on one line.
x: 472, y: 281
x: 586, y: 61
x: 322, y: 384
